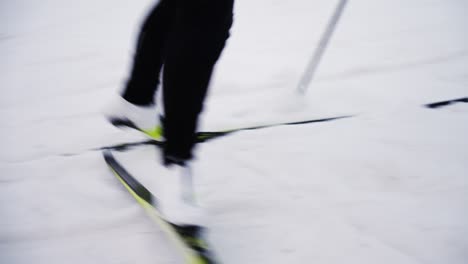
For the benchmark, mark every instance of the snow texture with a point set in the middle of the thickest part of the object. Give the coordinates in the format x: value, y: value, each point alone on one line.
x: 389, y: 185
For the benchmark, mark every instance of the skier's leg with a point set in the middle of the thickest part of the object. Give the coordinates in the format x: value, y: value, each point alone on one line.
x: 148, y: 59
x: 200, y: 32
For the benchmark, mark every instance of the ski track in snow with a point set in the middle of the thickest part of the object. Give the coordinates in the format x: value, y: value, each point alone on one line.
x: 388, y: 185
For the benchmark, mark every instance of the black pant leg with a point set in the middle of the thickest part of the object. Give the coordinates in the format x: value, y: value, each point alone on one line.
x: 149, y: 55
x: 200, y: 31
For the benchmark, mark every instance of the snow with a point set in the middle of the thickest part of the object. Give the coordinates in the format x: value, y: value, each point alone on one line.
x: 388, y: 185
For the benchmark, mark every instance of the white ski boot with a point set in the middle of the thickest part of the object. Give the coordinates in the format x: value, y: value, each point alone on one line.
x: 176, y: 199
x: 122, y: 113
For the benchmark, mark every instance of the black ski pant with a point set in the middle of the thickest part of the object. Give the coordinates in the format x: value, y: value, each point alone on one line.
x: 187, y: 37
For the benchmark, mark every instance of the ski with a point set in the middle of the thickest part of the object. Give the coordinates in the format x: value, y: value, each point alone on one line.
x: 446, y: 103
x: 154, y: 137
x: 201, y: 137
x: 188, y: 239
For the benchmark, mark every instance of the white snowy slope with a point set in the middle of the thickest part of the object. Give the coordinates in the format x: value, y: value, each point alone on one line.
x: 389, y: 185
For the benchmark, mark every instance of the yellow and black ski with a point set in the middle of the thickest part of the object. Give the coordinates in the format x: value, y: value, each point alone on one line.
x: 189, y: 239
x: 156, y: 135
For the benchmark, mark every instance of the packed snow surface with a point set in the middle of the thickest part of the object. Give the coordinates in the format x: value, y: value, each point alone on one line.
x: 388, y: 185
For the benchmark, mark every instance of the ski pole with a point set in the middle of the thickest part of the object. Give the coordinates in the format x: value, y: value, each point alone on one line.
x: 309, y: 72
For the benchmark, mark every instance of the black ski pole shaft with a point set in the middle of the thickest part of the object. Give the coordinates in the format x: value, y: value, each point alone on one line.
x: 309, y: 73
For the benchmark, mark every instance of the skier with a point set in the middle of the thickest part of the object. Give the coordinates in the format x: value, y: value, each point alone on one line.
x: 187, y: 37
